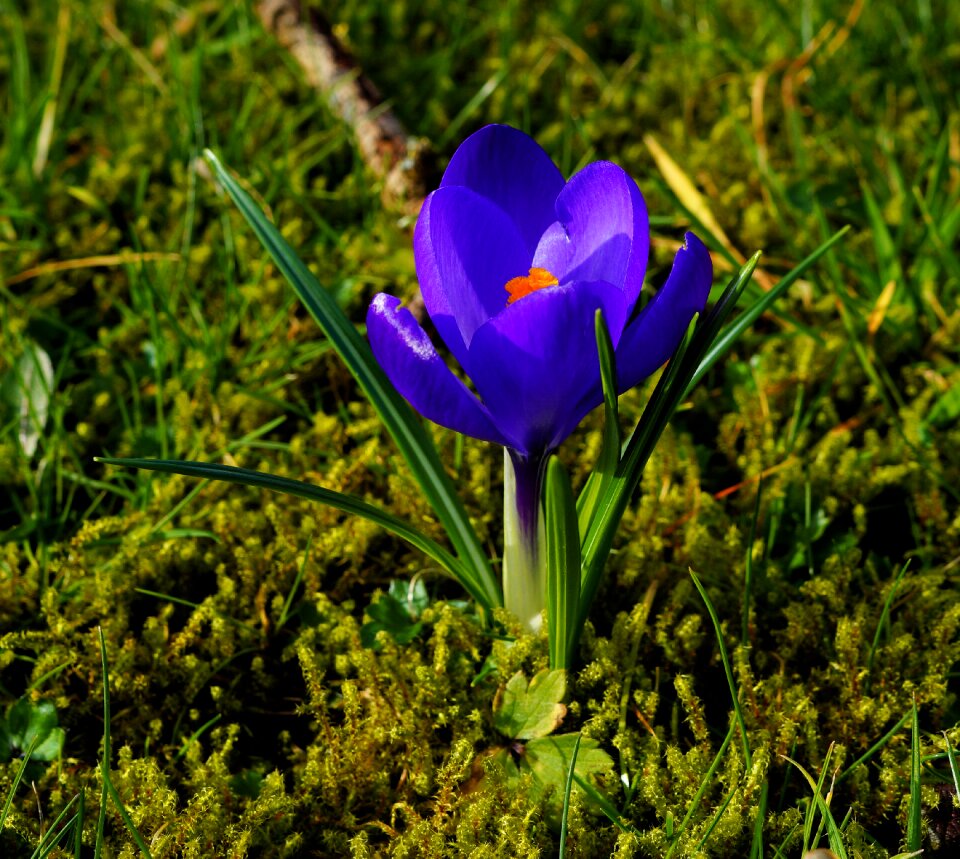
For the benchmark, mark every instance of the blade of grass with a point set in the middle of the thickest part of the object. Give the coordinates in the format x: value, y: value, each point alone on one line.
x: 879, y: 744
x: 478, y: 98
x: 882, y: 622
x: 914, y: 809
x: 609, y: 458
x: 732, y: 333
x: 952, y: 759
x: 725, y: 658
x: 566, y: 799
x: 691, y: 199
x: 716, y: 819
x: 16, y: 780
x: 398, y: 418
x: 339, y: 500
x: 78, y: 830
x: 704, y: 784
x: 748, y: 567
x: 834, y: 834
x: 756, y: 846
x: 196, y: 736
x: 604, y: 804
x: 288, y: 602
x: 563, y: 564
x: 51, y: 837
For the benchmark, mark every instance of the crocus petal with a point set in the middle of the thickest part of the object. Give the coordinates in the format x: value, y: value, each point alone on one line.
x: 466, y: 249
x: 654, y: 335
x: 412, y: 364
x: 534, y: 362
x: 511, y: 170
x: 601, y: 231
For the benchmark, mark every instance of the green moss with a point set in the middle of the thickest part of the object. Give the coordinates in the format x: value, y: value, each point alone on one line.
x: 248, y: 719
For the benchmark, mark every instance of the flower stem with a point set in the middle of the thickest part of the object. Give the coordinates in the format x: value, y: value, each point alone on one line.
x: 524, y: 553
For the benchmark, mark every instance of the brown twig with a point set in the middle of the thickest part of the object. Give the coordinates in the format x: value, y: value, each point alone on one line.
x: 390, y: 153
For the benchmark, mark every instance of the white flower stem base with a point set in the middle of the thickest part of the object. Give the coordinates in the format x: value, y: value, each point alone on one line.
x: 524, y: 548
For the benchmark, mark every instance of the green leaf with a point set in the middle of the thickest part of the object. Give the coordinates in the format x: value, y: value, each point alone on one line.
x: 548, y: 760
x: 404, y: 426
x: 609, y: 459
x: 563, y: 564
x: 339, y: 500
x: 693, y: 358
x: 552, y: 764
x: 26, y: 390
x: 883, y: 242
x: 30, y: 723
x: 395, y: 613
x: 945, y: 409
x: 247, y: 783
x: 530, y: 711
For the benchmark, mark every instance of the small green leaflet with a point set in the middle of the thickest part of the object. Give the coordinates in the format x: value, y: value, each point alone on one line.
x: 396, y: 613
x: 531, y: 712
x: 27, y: 722
x: 534, y: 710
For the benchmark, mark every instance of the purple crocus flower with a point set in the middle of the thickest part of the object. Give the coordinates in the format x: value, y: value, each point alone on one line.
x: 513, y: 262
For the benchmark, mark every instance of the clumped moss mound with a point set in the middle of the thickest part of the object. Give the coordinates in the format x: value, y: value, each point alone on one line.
x: 248, y: 718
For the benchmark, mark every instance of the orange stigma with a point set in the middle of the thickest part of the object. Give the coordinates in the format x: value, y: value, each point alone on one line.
x: 520, y: 287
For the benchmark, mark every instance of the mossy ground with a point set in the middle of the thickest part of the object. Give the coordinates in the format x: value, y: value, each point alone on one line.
x: 247, y: 718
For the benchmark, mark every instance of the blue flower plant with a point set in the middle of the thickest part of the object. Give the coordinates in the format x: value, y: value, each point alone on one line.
x: 533, y: 283
x: 514, y: 262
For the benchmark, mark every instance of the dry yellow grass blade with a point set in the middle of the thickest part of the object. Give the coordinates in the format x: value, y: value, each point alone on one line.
x: 879, y: 311
x: 687, y: 193
x: 89, y: 262
x: 695, y: 203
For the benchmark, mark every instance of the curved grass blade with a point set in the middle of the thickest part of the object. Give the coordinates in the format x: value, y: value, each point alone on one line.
x: 721, y: 810
x: 339, y: 500
x: 399, y: 419
x: 834, y: 834
x: 606, y: 806
x: 53, y: 835
x: 952, y: 760
x: 725, y: 658
x: 668, y: 394
x: 882, y: 623
x: 876, y: 747
x: 719, y: 347
x: 704, y: 784
x: 16, y: 781
x: 566, y: 799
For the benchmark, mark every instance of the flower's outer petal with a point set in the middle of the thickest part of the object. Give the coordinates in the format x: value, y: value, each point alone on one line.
x: 466, y: 249
x: 601, y: 232
x: 537, y: 360
x: 654, y: 335
x: 412, y: 364
x: 511, y: 170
